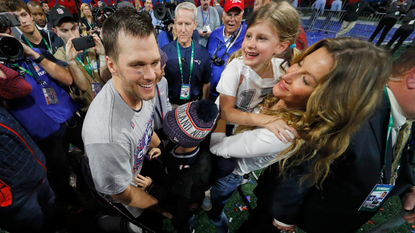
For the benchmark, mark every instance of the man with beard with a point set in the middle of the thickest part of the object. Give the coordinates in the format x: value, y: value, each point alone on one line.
x: 208, y: 20
x: 116, y: 143
x: 188, y: 69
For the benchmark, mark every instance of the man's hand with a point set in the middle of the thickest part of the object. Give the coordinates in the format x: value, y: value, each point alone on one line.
x: 409, y: 205
x: 99, y: 47
x: 201, y: 33
x: 71, y: 52
x: 143, y: 182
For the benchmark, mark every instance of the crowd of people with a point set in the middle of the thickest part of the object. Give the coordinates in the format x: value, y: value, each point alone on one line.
x: 169, y: 119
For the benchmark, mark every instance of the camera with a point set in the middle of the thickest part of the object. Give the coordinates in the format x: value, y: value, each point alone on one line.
x: 100, y: 14
x: 217, y: 61
x: 10, y: 48
x: 165, y: 12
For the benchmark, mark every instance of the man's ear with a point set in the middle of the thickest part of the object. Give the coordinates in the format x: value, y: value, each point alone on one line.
x: 55, y: 31
x: 410, y: 79
x: 112, y: 67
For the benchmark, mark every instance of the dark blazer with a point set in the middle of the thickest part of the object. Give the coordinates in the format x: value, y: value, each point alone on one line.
x: 352, y: 177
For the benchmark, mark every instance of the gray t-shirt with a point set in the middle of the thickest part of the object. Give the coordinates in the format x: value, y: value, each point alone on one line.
x: 204, y: 19
x: 116, y: 139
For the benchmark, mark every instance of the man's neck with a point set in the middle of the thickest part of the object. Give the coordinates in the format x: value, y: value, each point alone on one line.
x: 186, y: 44
x: 133, y: 102
x: 35, y: 37
x: 183, y: 150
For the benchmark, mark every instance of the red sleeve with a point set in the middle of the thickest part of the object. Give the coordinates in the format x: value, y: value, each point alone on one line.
x: 301, y: 42
x: 13, y: 86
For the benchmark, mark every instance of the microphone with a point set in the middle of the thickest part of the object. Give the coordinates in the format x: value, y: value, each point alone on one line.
x: 183, y: 59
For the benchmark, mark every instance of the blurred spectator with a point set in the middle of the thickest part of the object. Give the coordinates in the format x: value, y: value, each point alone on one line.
x: 207, y: 20
x: 39, y: 16
x: 219, y: 9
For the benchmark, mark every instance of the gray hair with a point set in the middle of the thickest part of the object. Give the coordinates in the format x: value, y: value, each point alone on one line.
x: 187, y: 6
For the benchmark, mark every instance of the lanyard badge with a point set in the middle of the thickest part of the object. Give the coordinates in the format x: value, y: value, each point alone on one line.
x: 185, y: 88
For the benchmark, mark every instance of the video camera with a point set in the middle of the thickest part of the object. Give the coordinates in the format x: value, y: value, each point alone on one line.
x: 10, y: 48
x: 165, y: 12
x: 100, y: 14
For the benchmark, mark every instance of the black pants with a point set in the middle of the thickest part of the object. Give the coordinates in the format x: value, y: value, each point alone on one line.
x: 402, y: 34
x: 386, y: 24
x: 56, y: 150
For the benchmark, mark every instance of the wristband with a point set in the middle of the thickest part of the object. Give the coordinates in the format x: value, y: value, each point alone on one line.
x: 39, y: 59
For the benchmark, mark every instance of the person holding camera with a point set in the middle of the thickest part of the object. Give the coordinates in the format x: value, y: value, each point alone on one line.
x: 208, y: 20
x: 33, y: 37
x: 188, y: 69
x: 225, y: 40
x: 88, y: 67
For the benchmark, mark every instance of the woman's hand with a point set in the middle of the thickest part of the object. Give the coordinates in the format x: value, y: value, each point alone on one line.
x: 143, y: 182
x: 99, y: 47
x: 278, y: 127
x: 283, y: 229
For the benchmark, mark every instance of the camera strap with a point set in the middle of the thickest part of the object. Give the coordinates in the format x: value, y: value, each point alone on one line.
x: 180, y: 61
x: 88, y: 69
x: 46, y: 43
x: 32, y: 72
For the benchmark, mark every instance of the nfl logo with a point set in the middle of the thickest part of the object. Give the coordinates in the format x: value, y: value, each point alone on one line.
x: 60, y: 11
x: 36, y: 68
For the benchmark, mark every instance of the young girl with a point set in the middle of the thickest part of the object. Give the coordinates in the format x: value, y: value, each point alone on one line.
x: 270, y: 31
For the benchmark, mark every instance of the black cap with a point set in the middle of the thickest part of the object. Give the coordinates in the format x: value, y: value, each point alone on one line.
x: 57, y: 13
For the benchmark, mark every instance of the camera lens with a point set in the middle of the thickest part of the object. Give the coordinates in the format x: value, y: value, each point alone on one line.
x: 11, y: 48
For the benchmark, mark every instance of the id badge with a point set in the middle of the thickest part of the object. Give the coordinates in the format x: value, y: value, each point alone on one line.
x: 96, y: 88
x: 411, y: 22
x: 208, y: 28
x: 185, y: 92
x: 397, y: 13
x: 50, y: 95
x: 375, y: 198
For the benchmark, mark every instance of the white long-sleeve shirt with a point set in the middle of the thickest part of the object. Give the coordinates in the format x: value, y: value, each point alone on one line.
x: 255, y: 149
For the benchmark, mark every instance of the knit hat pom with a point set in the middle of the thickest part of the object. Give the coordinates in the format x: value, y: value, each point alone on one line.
x: 207, y: 110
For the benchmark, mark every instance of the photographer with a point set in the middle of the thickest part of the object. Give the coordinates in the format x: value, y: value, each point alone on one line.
x: 89, y: 67
x: 48, y: 113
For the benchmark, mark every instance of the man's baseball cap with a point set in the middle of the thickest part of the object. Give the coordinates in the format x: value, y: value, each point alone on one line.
x: 57, y: 13
x: 229, y: 4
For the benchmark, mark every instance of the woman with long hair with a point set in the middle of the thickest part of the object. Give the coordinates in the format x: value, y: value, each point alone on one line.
x: 326, y: 94
x: 87, y: 18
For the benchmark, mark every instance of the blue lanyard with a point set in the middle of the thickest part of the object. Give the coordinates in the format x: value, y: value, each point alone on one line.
x: 203, y: 16
x: 32, y: 72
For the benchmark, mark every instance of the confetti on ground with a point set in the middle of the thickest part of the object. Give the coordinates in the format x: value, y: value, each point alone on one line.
x: 227, y: 210
x: 413, y: 226
x: 235, y: 209
x: 248, y: 198
x: 370, y: 222
x: 253, y: 173
x: 230, y: 220
x: 412, y: 231
x: 240, y: 207
x: 381, y: 209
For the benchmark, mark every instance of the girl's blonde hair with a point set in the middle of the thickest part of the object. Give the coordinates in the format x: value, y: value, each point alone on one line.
x: 82, y: 9
x: 284, y: 21
x: 343, y: 99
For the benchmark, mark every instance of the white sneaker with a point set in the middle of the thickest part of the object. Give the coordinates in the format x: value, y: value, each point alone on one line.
x: 207, y: 204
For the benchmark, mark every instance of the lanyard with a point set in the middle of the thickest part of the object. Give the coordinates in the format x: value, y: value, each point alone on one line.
x: 161, y: 107
x: 46, y: 43
x: 88, y: 69
x: 32, y: 72
x: 180, y: 61
x: 230, y: 41
x: 203, y: 16
x: 90, y: 27
x: 390, y: 126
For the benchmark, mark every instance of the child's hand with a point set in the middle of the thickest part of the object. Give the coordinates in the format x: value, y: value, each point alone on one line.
x: 154, y: 153
x: 278, y: 127
x: 143, y: 182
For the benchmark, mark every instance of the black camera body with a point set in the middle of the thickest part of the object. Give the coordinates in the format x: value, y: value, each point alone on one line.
x: 10, y: 48
x: 165, y: 12
x: 217, y: 61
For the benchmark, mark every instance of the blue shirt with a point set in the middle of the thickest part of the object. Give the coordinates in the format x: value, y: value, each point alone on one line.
x: 320, y: 4
x: 336, y: 5
x: 39, y: 119
x: 202, y: 71
x: 216, y: 41
x: 164, y: 38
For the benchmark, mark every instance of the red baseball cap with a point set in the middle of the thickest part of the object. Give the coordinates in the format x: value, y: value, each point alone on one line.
x: 233, y: 3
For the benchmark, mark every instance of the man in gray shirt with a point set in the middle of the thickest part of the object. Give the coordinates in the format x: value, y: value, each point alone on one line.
x: 219, y: 9
x: 118, y: 128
